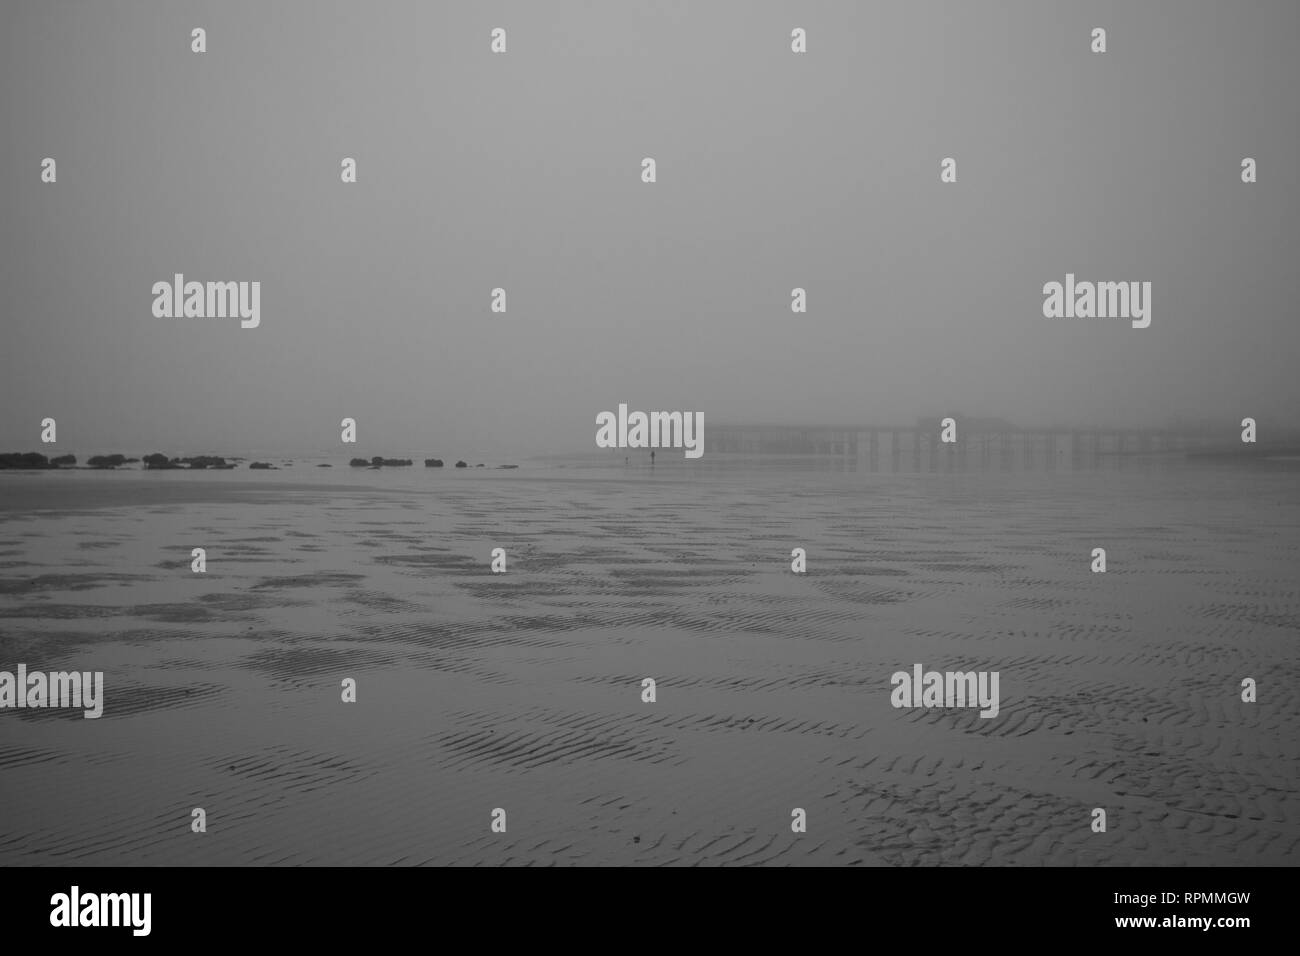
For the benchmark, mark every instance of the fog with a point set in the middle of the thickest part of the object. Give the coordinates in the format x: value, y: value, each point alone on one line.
x: 523, y: 171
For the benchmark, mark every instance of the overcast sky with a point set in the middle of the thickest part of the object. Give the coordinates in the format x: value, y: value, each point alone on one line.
x: 522, y: 170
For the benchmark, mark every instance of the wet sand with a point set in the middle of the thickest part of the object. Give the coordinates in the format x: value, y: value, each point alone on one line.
x: 523, y: 690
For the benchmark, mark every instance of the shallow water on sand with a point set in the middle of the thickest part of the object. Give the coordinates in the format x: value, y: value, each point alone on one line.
x: 523, y: 691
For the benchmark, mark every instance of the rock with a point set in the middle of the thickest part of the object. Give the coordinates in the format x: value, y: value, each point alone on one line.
x: 159, y: 461
x: 325, y: 465
x: 105, y: 461
x: 433, y: 463
x: 206, y: 461
x: 358, y: 463
x: 379, y: 461
x: 461, y: 464
x: 479, y: 465
x: 507, y: 466
x: 262, y: 466
x: 31, y: 459
x: 63, y: 460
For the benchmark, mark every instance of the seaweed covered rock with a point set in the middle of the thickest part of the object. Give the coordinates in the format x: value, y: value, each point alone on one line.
x: 30, y: 459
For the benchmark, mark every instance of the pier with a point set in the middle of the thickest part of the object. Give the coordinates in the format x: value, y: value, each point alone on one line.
x: 986, y: 445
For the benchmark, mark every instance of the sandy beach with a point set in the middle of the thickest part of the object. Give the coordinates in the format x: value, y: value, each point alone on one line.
x: 523, y: 690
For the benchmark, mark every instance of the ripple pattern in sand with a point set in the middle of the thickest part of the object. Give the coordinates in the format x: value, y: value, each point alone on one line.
x: 523, y: 690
